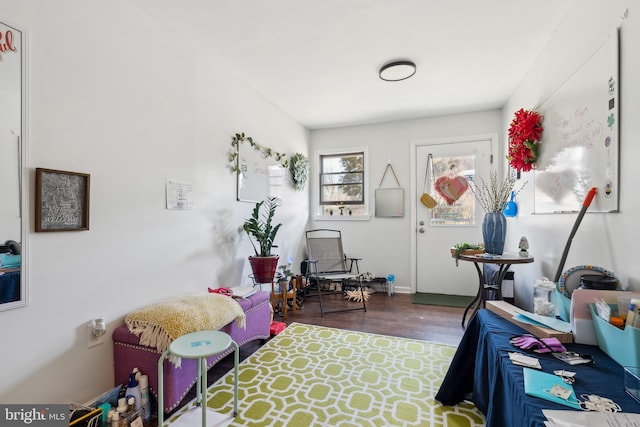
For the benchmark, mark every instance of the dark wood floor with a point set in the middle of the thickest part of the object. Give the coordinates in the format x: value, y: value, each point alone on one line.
x: 386, y: 315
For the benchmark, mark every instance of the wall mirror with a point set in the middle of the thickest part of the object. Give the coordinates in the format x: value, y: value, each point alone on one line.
x: 389, y: 202
x: 13, y: 157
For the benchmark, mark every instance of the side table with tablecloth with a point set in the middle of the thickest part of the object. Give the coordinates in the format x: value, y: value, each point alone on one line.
x: 482, y: 371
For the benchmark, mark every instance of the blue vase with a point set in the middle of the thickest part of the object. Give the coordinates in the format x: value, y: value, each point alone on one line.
x: 494, y: 231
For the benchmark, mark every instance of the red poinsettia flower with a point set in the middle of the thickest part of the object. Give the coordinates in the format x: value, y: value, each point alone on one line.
x: 524, y: 135
x: 526, y: 125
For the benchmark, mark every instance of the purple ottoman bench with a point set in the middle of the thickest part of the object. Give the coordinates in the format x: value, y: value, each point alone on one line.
x: 129, y: 353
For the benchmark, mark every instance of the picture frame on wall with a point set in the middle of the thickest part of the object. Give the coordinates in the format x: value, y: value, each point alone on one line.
x: 62, y: 200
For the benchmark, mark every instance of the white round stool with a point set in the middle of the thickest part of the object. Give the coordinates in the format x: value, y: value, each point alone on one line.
x: 199, y: 345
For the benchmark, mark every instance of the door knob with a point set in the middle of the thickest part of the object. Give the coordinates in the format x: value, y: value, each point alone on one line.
x: 421, y: 230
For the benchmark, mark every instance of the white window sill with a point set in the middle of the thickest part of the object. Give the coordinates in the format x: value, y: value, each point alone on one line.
x: 341, y: 217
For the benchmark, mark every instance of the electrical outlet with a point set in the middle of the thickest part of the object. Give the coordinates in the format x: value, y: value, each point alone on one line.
x: 92, y: 339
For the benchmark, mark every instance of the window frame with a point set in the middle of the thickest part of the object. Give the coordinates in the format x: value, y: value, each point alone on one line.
x: 318, y: 208
x: 322, y: 185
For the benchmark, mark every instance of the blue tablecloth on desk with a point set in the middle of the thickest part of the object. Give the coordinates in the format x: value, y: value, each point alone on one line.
x: 481, y: 368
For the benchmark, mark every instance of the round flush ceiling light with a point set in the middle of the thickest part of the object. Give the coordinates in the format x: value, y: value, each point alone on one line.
x: 397, y: 70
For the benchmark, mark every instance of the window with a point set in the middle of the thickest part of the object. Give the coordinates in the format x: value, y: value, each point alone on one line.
x: 342, y: 183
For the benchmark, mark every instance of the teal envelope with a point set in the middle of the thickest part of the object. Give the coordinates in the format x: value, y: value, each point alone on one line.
x: 539, y: 384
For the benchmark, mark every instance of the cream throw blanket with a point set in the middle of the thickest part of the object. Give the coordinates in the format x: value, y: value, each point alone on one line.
x: 159, y: 324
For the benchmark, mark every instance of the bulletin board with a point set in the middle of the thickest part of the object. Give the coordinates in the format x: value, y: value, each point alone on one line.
x: 580, y: 142
x: 259, y: 177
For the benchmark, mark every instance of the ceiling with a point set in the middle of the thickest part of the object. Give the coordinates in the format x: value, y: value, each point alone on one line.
x: 318, y: 60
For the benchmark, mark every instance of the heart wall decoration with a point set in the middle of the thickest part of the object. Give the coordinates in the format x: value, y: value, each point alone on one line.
x: 451, y: 188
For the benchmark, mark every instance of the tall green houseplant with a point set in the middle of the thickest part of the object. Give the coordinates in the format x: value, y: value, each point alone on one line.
x: 260, y: 227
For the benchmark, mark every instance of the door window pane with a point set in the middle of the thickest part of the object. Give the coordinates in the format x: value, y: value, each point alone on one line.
x: 456, y: 205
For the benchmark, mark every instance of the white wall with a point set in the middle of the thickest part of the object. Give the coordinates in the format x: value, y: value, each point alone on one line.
x: 120, y: 96
x: 384, y: 243
x: 606, y: 240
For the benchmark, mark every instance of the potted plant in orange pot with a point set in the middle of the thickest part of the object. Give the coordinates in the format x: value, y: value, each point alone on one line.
x: 260, y: 227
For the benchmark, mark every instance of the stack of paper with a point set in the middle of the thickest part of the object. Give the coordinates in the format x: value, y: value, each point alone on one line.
x: 590, y: 419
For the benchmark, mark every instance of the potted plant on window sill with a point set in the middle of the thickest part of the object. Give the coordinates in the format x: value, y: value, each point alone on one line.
x: 259, y: 227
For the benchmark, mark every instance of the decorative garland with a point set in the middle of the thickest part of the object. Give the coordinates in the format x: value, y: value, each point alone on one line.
x: 240, y: 138
x: 298, y: 165
x: 524, y: 136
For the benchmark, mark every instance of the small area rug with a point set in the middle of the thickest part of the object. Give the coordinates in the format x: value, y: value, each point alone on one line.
x: 441, y: 299
x: 317, y: 376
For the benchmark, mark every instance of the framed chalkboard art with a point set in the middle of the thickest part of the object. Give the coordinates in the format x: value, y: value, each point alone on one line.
x: 62, y: 200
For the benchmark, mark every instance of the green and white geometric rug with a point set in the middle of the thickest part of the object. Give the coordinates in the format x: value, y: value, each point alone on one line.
x: 316, y: 376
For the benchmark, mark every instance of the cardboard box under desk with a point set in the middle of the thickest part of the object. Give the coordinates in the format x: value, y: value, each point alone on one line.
x: 507, y: 311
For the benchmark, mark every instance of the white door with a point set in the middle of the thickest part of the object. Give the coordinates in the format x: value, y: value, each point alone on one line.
x: 456, y: 219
